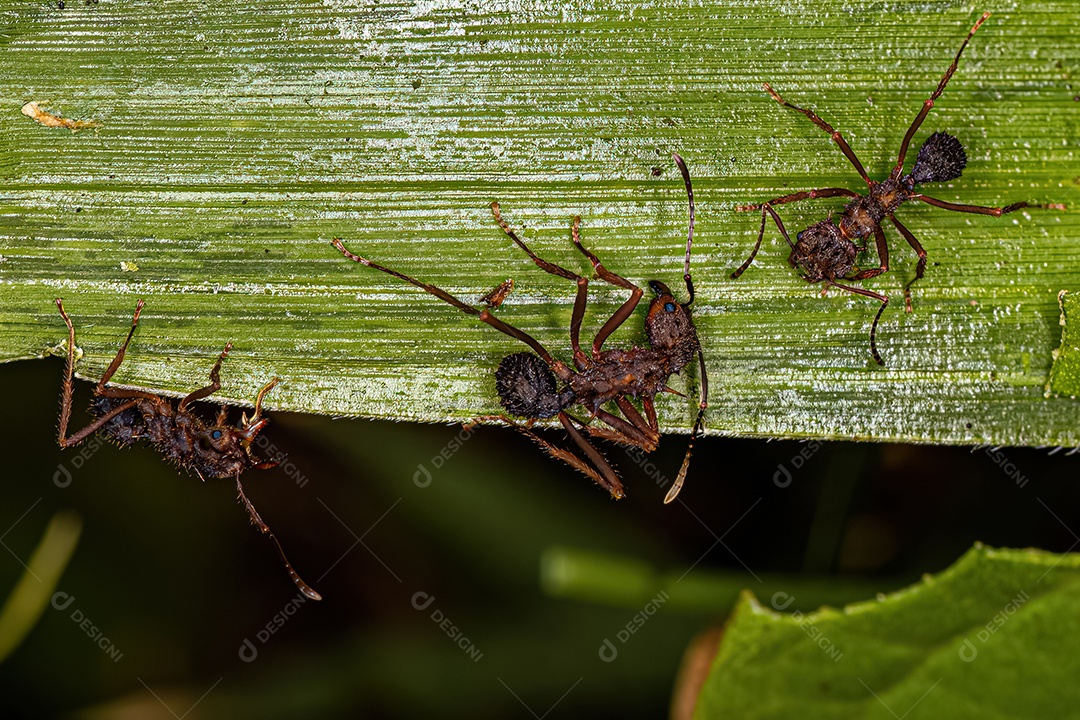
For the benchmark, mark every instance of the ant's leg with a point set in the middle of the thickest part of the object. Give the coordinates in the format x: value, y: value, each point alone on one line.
x: 766, y: 209
x: 215, y: 382
x: 580, y: 299
x: 648, y: 427
x: 265, y: 529
x: 582, y: 296
x: 883, y: 256
x: 835, y: 134
x: 609, y: 480
x: 540, y: 262
x: 582, y: 282
x: 115, y: 364
x: 524, y: 337
x: 649, y: 406
x: 116, y: 361
x: 920, y: 268
x: 483, y: 316
x: 602, y: 272
x: 606, y: 275
x: 615, y: 436
x: 66, y: 442
x: 626, y: 433
x: 437, y: 292
x: 69, y: 385
x: 873, y: 328
x: 796, y: 197
x: 757, y: 246
x: 982, y: 210
x: 640, y: 423
x: 929, y: 102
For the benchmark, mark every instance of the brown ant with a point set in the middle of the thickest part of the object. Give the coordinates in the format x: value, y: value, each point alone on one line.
x: 527, y: 383
x: 217, y: 450
x: 826, y: 251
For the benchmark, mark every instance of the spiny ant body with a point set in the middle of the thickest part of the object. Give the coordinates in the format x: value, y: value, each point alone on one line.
x: 527, y: 385
x: 826, y: 251
x: 210, y: 450
x: 537, y: 386
x: 183, y: 438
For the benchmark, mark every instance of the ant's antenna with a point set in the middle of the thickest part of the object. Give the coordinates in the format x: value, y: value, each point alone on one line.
x: 690, y: 230
x: 704, y: 402
x: 258, y: 521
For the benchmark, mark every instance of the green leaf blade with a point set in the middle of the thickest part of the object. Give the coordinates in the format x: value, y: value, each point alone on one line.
x: 232, y: 149
x: 993, y: 634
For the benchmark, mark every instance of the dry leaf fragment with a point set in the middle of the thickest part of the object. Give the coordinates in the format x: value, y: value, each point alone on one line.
x: 33, y: 111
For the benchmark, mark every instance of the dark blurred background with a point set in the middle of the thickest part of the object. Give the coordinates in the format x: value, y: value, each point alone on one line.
x: 199, y: 620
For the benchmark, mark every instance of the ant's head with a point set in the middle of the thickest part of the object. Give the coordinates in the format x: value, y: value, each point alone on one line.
x: 822, y: 252
x: 668, y: 324
x: 225, y: 450
x: 526, y: 387
x: 941, y: 158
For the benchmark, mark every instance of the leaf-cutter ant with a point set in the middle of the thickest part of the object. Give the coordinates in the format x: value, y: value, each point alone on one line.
x: 537, y: 386
x: 826, y: 251
x: 216, y: 450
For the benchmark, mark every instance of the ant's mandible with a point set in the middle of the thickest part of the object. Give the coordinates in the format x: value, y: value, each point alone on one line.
x: 826, y: 251
x: 537, y: 386
x: 217, y: 450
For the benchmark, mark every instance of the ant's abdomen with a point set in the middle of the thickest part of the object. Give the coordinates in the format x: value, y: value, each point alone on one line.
x: 125, y: 428
x: 526, y: 387
x: 941, y: 158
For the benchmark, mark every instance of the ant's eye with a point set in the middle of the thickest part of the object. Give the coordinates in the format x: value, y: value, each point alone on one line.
x: 669, y: 307
x: 216, y: 434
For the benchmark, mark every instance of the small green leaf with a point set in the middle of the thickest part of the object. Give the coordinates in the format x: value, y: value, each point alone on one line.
x: 1065, y: 372
x: 995, y: 635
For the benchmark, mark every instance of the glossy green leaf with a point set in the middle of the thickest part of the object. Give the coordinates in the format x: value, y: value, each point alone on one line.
x: 235, y: 142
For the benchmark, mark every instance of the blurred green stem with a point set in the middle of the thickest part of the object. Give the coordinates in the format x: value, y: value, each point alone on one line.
x: 28, y: 600
x: 622, y: 581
